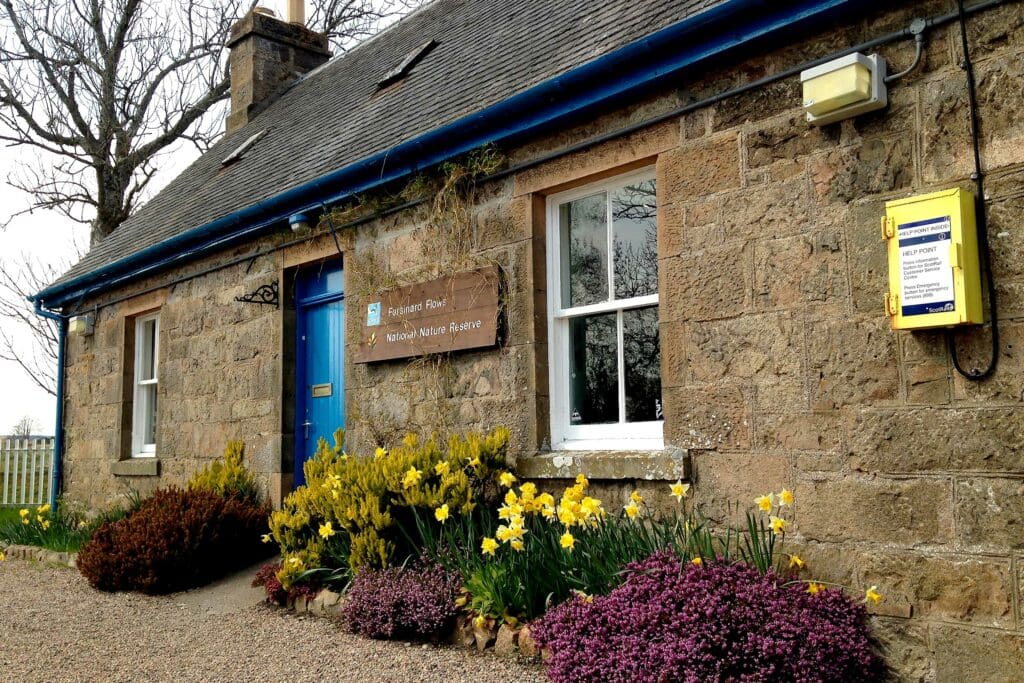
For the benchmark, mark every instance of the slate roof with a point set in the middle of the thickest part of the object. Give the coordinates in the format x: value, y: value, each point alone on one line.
x: 487, y: 51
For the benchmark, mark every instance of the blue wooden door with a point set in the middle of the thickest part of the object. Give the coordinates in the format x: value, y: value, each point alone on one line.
x: 319, y: 360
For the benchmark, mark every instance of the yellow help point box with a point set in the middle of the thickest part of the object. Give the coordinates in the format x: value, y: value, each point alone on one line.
x: 934, y: 277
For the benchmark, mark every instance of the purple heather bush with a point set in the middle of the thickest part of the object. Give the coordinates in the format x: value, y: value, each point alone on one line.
x: 402, y: 602
x: 675, y: 621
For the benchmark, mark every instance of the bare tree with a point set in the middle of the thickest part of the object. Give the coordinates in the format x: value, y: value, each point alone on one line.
x: 26, y: 426
x: 101, y: 87
x: 98, y: 90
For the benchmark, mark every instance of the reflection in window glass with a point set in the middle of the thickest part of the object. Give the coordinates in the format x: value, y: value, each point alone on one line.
x: 149, y: 418
x: 642, y: 358
x: 593, y: 372
x: 584, y: 234
x: 635, y: 231
x: 148, y: 350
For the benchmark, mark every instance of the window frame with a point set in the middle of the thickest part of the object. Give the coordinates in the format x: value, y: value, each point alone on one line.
x: 140, y: 403
x: 564, y: 435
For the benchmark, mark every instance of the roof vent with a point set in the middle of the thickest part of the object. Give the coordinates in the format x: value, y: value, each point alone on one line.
x: 406, y: 65
x: 243, y: 148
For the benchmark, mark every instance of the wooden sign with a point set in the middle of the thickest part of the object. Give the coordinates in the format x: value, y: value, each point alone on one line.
x: 452, y: 313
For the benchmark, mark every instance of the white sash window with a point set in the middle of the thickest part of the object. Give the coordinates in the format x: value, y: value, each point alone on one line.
x: 144, y: 399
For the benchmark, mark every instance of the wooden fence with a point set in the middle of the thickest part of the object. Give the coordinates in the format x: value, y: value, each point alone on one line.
x: 26, y: 470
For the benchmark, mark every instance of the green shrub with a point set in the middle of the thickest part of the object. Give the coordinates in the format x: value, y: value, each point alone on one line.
x: 359, y: 510
x: 230, y: 478
x: 177, y: 539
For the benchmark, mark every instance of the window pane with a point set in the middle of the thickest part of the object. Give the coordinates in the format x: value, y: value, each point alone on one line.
x: 148, y: 341
x: 642, y: 358
x: 593, y: 370
x: 634, y: 216
x: 584, y: 233
x: 149, y: 417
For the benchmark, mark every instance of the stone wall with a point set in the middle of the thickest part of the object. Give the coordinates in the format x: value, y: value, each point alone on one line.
x: 778, y: 365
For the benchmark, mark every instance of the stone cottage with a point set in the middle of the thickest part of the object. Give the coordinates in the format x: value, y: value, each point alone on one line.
x: 629, y: 246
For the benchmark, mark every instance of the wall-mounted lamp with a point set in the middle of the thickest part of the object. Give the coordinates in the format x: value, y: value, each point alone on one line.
x: 844, y: 88
x: 84, y: 325
x: 300, y: 224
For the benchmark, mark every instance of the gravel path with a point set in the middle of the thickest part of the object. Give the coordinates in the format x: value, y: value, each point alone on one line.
x: 55, y: 628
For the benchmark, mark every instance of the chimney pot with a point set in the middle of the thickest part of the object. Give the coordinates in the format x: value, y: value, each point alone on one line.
x: 297, y: 12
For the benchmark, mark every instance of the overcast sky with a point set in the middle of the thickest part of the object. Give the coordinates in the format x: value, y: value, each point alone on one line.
x: 49, y: 237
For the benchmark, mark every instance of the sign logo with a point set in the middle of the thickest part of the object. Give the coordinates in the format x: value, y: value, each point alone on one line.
x: 373, y: 314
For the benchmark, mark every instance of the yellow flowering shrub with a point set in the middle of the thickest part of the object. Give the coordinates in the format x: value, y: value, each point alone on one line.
x: 230, y: 477
x: 370, y: 500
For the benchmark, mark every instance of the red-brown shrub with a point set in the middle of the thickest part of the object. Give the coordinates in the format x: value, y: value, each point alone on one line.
x: 177, y: 539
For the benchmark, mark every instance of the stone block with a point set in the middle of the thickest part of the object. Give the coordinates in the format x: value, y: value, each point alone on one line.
x: 1006, y: 237
x: 527, y: 645
x: 758, y: 348
x: 975, y: 351
x: 902, y: 511
x: 990, y: 513
x: 977, y: 590
x: 770, y: 211
x: 802, y: 431
x: 699, y: 168
x: 928, y: 383
x: 757, y: 104
x: 941, y: 440
x: 462, y: 632
x: 726, y: 484
x: 904, y: 646
x: 505, y: 642
x: 800, y: 271
x: 673, y: 236
x: 785, y: 139
x: 852, y: 362
x: 713, y: 418
x: 674, y: 367
x: 973, y: 655
x: 873, y: 166
x: 707, y: 285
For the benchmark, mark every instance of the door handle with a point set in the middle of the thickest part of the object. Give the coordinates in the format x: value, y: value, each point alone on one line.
x: 305, y: 429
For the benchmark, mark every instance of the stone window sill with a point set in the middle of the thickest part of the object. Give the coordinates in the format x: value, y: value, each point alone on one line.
x: 665, y: 465
x: 136, y: 467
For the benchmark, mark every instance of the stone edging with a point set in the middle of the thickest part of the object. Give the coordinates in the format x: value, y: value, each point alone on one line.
x: 31, y: 552
x: 503, y: 639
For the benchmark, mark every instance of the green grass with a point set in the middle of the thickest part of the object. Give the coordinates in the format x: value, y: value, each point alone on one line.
x: 8, y: 514
x: 66, y: 531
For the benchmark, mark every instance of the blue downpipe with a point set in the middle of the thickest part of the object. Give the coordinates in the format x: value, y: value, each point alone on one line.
x: 58, y: 434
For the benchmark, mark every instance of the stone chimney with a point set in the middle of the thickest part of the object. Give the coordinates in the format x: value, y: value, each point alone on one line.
x: 268, y: 54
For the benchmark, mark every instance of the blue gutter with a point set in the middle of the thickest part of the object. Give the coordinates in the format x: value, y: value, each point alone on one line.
x: 58, y: 434
x: 602, y: 81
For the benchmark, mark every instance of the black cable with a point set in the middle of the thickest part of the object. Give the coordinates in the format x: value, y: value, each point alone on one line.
x: 984, y: 250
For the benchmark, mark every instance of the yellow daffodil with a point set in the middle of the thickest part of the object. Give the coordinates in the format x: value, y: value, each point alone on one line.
x: 632, y: 510
x: 581, y: 480
x: 381, y: 452
x: 507, y: 479
x: 583, y: 596
x: 814, y: 588
x: 45, y: 524
x: 795, y: 562
x: 489, y: 545
x: 679, y: 490
x: 517, y: 544
x: 3, y: 557
x: 548, y: 511
x: 697, y: 561
x: 441, y: 513
x: 326, y: 530
x: 442, y: 468
x: 43, y: 509
x: 25, y: 521
x: 480, y: 621
x: 412, y: 477
x: 567, y: 541
x: 295, y: 561
x: 778, y: 524
x: 528, y: 490
x: 765, y: 503
x: 785, y: 497
x: 590, y: 506
x: 511, y: 498
x: 265, y: 538
x: 82, y: 524
x: 636, y: 498
x: 23, y: 512
x: 39, y: 518
x: 872, y: 595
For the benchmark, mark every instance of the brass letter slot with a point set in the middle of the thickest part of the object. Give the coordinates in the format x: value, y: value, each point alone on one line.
x: 323, y: 390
